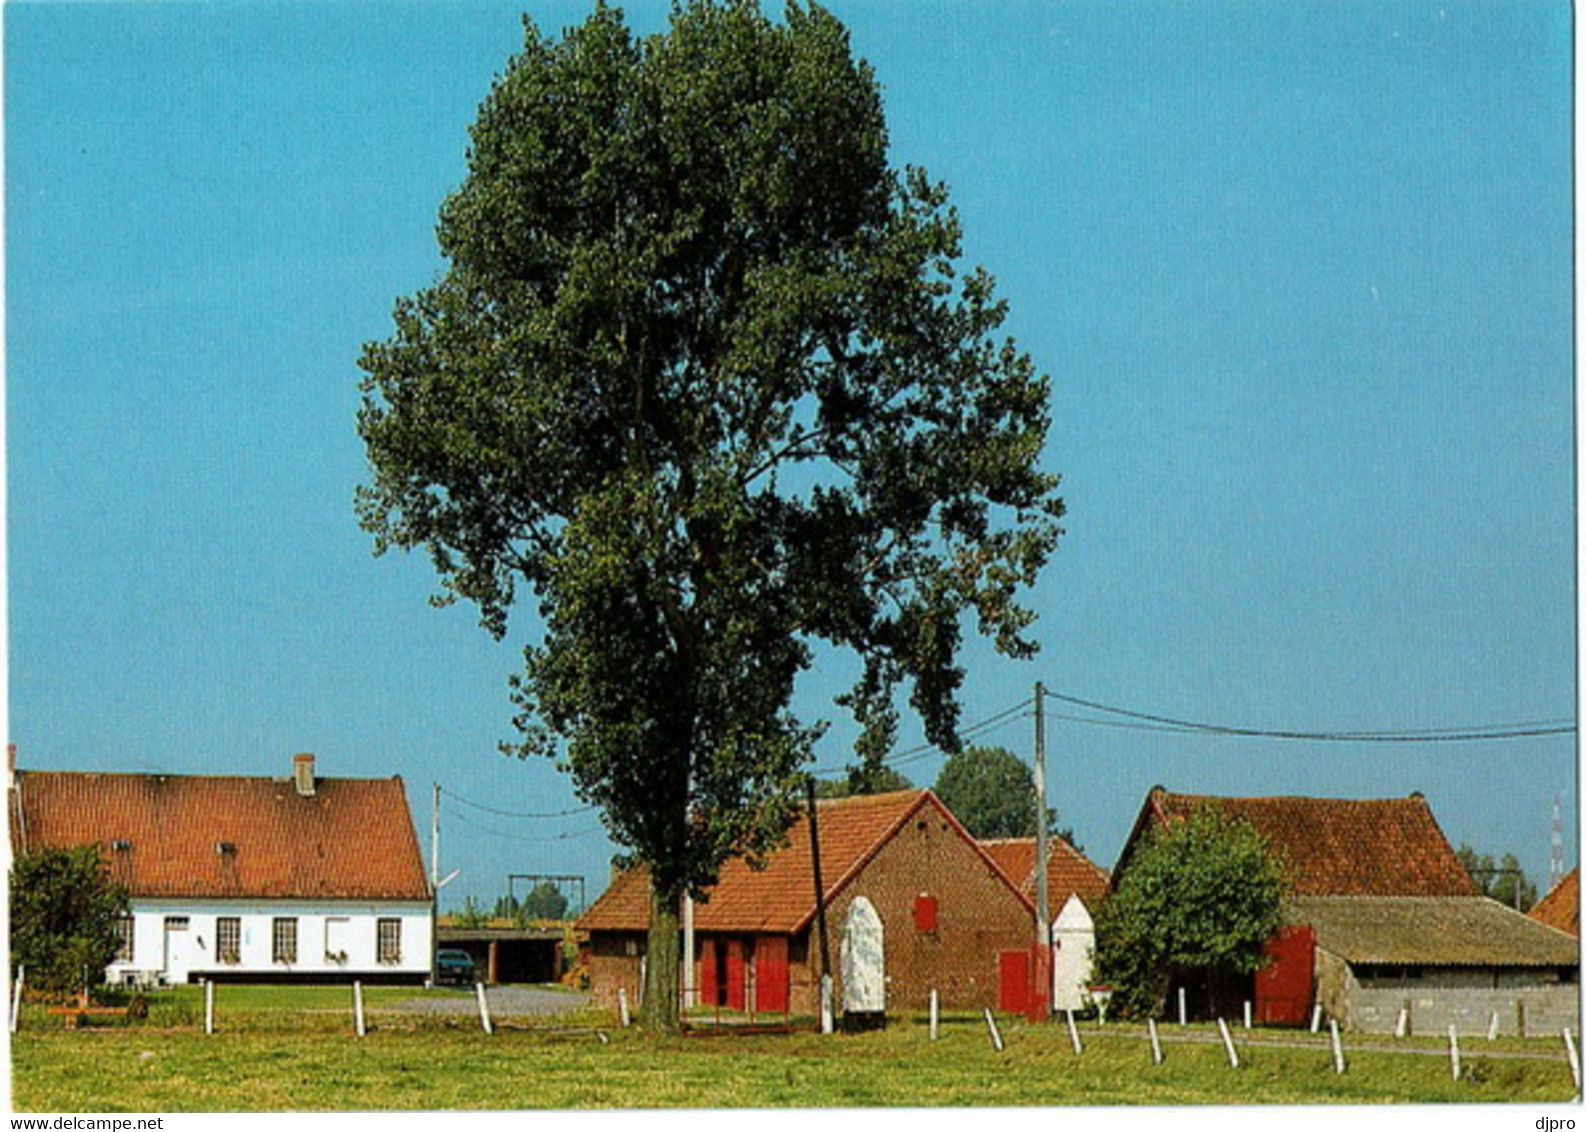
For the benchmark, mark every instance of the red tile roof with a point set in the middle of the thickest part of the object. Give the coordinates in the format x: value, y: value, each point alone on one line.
x: 211, y: 836
x: 1335, y: 846
x: 781, y: 897
x: 1068, y: 871
x: 1560, y: 908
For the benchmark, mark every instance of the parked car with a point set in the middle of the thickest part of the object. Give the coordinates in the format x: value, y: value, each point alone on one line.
x: 454, y: 965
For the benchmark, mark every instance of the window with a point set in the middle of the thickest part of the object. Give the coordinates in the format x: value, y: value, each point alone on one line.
x: 228, y: 939
x: 283, y: 939
x: 388, y: 939
x: 124, y: 938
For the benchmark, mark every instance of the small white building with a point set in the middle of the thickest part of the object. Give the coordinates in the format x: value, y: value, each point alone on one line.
x: 245, y: 879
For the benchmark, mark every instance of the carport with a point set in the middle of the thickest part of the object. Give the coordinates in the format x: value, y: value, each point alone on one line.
x: 509, y: 955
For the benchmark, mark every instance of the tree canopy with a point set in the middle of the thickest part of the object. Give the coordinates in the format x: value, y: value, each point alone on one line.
x: 703, y: 375
x: 864, y: 779
x: 992, y: 791
x: 1505, y: 881
x: 1196, y: 903
x: 65, y: 917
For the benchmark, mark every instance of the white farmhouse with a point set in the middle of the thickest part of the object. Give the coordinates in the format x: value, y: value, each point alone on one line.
x: 298, y: 879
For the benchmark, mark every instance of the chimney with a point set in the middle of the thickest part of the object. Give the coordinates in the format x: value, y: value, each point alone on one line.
x: 303, y: 774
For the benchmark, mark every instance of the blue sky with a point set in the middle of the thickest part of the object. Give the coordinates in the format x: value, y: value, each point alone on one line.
x: 1301, y: 275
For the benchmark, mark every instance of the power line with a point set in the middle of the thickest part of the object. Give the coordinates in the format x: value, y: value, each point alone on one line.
x: 570, y: 836
x: 456, y: 797
x: 1469, y: 734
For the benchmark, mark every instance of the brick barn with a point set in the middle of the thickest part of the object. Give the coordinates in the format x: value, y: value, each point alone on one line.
x: 256, y: 879
x: 1381, y: 919
x: 1560, y: 908
x: 1075, y: 887
x: 946, y: 910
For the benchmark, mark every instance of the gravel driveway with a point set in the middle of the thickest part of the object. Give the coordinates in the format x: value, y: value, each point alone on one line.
x: 505, y: 1002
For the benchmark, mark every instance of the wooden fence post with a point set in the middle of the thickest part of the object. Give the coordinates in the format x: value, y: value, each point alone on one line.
x: 991, y: 1024
x: 484, y: 1009
x: 1156, y: 1042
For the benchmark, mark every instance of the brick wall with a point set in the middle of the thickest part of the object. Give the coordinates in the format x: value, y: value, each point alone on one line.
x: 1440, y: 997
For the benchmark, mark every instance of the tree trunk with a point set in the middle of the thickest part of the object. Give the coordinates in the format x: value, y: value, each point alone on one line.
x: 660, y: 1013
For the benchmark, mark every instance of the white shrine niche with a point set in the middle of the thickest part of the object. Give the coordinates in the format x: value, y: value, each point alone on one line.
x: 863, y: 967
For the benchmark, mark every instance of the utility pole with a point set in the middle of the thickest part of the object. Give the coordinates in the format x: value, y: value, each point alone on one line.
x: 435, y: 835
x: 1043, y: 916
x: 820, y: 887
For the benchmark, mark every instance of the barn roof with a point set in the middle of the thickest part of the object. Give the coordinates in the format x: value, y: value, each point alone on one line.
x: 1333, y: 846
x: 207, y: 836
x: 1068, y: 871
x: 780, y: 898
x: 1431, y: 931
x: 1560, y: 908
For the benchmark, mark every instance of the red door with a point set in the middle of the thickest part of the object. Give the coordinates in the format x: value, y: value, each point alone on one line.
x: 1283, y: 985
x: 737, y: 975
x: 1013, y: 981
x: 771, y: 974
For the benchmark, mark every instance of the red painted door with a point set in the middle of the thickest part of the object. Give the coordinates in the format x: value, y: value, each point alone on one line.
x: 771, y: 974
x: 737, y: 975
x: 1284, y: 984
x: 709, y: 979
x: 1013, y: 981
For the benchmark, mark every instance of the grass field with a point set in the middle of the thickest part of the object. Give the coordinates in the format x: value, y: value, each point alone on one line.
x: 267, y: 1057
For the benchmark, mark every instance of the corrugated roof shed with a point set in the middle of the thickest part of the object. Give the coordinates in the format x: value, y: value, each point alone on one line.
x: 232, y: 837
x: 1335, y: 846
x: 1560, y: 908
x: 1068, y: 871
x: 781, y: 897
x: 1459, y: 931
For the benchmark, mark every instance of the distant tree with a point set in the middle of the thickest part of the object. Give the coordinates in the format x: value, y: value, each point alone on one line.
x: 863, y: 779
x: 1198, y: 900
x: 992, y: 791
x: 544, y: 902
x: 471, y: 915
x: 65, y: 917
x: 704, y: 374
x: 1504, y: 881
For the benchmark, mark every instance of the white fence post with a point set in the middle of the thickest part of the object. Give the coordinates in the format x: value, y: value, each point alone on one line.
x: 1316, y: 1018
x: 16, y: 999
x: 209, y: 1006
x: 1247, y: 1014
x: 1403, y: 1026
x: 357, y: 1007
x: 827, y: 1025
x: 1453, y: 1050
x: 991, y: 1024
x: 1228, y: 1042
x: 1574, y: 1056
x: 935, y: 1013
x: 1338, y: 1048
x: 1156, y: 1042
x: 1073, y: 1034
x: 622, y: 1005
x: 484, y: 1009
x: 1183, y: 1009
x: 1492, y: 1027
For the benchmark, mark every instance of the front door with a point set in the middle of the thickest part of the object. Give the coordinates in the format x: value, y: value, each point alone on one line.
x: 183, y: 950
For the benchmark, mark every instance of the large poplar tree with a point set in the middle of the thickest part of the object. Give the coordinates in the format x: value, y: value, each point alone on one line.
x: 704, y: 377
